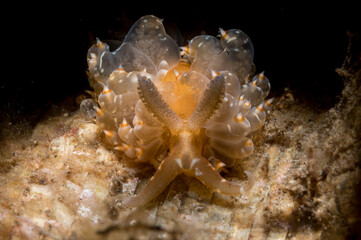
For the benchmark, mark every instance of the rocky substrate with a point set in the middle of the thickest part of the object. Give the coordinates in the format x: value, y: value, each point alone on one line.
x: 62, y: 181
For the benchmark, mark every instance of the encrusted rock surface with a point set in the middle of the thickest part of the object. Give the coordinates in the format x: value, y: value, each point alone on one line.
x: 63, y: 182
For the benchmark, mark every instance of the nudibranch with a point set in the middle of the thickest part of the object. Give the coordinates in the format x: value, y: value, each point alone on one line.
x: 186, y: 110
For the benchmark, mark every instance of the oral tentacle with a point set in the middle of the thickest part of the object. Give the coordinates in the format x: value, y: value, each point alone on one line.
x: 209, y: 176
x: 166, y: 172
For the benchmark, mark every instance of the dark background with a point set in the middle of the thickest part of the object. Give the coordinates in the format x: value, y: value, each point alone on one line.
x: 298, y: 47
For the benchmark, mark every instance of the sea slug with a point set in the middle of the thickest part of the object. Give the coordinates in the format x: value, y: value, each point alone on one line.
x: 188, y: 109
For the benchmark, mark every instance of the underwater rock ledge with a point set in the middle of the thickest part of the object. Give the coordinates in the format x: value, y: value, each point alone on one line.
x: 63, y: 182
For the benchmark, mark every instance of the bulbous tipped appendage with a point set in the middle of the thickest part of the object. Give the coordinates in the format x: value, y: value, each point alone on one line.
x: 133, y: 59
x: 236, y: 39
x: 149, y: 36
x: 232, y: 60
x: 202, y: 49
x: 261, y: 81
x: 101, y: 63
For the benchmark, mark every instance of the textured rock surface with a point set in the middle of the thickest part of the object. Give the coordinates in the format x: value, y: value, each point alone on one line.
x: 62, y: 182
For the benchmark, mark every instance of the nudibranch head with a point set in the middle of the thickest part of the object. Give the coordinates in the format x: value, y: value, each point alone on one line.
x: 181, y: 109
